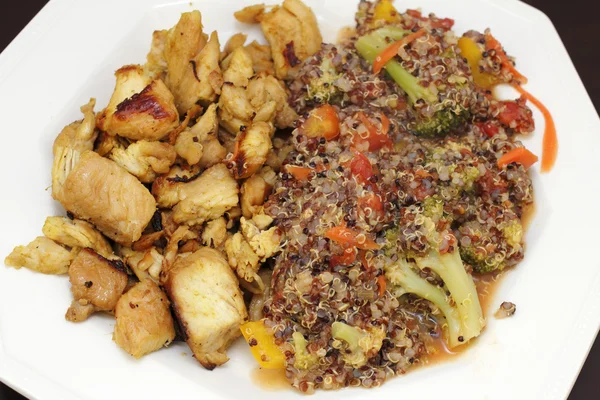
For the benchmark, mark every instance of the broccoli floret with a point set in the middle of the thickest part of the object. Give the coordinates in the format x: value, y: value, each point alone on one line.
x: 433, y: 207
x: 479, y: 259
x: 322, y: 89
x: 461, y: 308
x: 448, y: 117
x: 362, y: 344
x: 513, y: 232
x: 485, y: 256
x: 304, y: 359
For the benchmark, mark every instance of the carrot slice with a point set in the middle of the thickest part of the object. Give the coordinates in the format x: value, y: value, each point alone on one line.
x: 382, y: 285
x: 392, y: 50
x: 550, y: 140
x: 300, y: 173
x: 493, y: 44
x: 520, y: 155
x: 348, y: 237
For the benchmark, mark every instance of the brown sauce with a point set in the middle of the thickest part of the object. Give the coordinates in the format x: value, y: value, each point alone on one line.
x: 271, y: 380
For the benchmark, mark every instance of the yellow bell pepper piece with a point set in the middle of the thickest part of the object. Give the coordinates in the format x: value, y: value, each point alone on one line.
x: 262, y: 345
x: 385, y: 11
x: 471, y: 52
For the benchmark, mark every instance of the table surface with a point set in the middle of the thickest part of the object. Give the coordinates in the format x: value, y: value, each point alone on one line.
x: 577, y: 26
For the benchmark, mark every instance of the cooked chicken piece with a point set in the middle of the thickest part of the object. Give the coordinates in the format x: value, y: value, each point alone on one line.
x: 262, y: 221
x: 227, y: 139
x: 76, y: 233
x: 266, y: 88
x: 235, y: 110
x: 42, y: 255
x: 251, y: 150
x: 264, y: 243
x: 261, y: 58
x: 208, y: 304
x: 215, y: 233
x: 190, y: 143
x: 156, y: 65
x: 79, y: 311
x: 242, y: 258
x: 105, y: 143
x: 145, y: 159
x: 97, y: 281
x: 250, y: 14
x: 293, y: 33
x: 99, y: 191
x: 73, y: 140
x: 181, y: 234
x: 140, y: 108
x: 235, y: 41
x: 147, y: 241
x: 145, y: 264
x: 239, y: 69
x: 166, y: 187
x: 214, y: 152
x: 193, y: 73
x: 207, y: 197
x: 255, y: 190
x: 143, y: 320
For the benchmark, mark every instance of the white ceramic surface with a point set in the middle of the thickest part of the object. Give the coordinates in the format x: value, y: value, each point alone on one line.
x: 68, y: 53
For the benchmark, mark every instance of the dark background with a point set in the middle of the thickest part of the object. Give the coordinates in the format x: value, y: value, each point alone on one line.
x: 576, y: 22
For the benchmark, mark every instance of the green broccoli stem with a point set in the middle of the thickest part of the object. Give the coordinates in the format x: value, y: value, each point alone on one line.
x: 370, y: 45
x: 462, y: 289
x: 402, y: 275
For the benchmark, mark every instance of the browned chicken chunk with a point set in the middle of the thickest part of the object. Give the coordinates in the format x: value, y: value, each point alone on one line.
x: 193, y: 73
x: 140, y: 108
x: 42, y: 255
x: 99, y: 191
x: 291, y: 30
x: 208, y: 304
x: 95, y: 282
x: 143, y: 320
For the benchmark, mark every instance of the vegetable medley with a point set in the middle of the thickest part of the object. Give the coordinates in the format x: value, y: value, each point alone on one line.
x: 334, y: 203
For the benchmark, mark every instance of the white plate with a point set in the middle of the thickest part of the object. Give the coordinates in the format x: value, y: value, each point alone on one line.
x: 68, y: 53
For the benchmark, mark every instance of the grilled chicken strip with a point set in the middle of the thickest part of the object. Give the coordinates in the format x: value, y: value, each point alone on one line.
x: 193, y: 73
x: 208, y: 304
x: 42, y: 255
x: 97, y: 283
x: 143, y: 320
x: 77, y: 234
x: 73, y: 140
x: 99, y: 191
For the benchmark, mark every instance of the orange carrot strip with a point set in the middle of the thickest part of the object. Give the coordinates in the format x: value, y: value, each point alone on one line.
x: 550, y: 140
x: 392, y: 50
x: 493, y: 44
x: 382, y: 285
x: 520, y: 155
x: 300, y: 173
x: 348, y: 237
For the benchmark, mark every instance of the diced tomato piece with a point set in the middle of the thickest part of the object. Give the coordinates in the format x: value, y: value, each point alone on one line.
x: 517, y: 116
x: 376, y: 138
x: 414, y: 13
x: 489, y: 128
x: 444, y: 23
x: 371, y: 205
x: 361, y: 167
x: 346, y: 258
x: 322, y: 121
